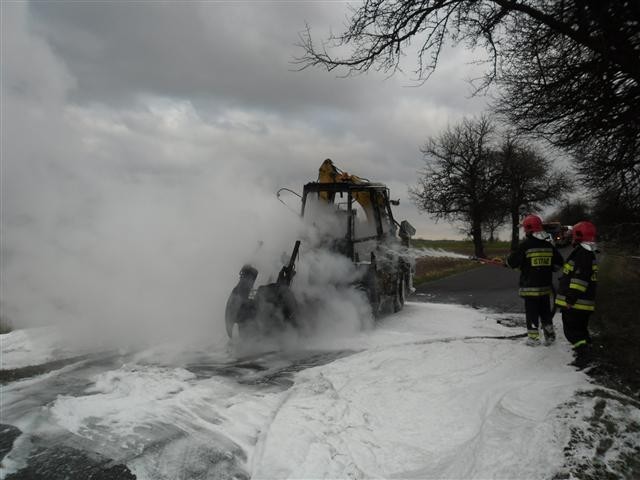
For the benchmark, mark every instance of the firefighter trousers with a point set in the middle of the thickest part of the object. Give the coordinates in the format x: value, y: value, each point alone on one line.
x: 537, y: 308
x: 575, y: 326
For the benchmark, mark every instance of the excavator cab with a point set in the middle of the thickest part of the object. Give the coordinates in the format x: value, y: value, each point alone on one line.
x: 361, y: 212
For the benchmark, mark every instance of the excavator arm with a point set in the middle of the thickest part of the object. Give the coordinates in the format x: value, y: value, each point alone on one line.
x: 329, y: 173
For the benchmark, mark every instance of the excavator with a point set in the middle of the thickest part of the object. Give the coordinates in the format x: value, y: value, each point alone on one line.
x: 354, y: 219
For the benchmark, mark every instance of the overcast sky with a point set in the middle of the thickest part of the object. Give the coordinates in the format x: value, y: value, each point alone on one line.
x: 124, y: 123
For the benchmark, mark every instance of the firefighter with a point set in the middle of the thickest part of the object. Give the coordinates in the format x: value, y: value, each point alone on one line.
x: 537, y: 258
x: 577, y: 289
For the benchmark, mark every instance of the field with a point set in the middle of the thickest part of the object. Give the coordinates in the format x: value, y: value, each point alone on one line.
x: 464, y: 247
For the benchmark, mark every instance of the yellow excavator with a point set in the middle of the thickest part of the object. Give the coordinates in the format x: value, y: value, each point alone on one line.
x: 362, y: 229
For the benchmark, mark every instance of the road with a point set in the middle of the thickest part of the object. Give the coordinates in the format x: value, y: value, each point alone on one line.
x: 53, y: 453
x: 491, y: 287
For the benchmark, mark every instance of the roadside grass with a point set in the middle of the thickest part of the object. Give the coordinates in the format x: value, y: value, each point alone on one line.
x: 429, y: 269
x: 615, y: 321
x: 434, y: 268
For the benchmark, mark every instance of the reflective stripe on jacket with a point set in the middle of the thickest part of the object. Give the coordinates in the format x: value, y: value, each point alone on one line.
x: 588, y: 305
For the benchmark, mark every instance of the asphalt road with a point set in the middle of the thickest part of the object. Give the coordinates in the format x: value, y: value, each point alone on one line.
x: 489, y: 286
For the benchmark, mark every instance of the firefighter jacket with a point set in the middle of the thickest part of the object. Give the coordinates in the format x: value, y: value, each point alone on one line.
x: 577, y: 285
x: 536, y: 259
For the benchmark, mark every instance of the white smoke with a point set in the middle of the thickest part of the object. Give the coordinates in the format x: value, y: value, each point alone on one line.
x: 129, y: 222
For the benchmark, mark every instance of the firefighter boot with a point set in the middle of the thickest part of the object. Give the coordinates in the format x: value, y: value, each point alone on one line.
x: 533, y: 337
x: 549, y: 334
x: 583, y: 355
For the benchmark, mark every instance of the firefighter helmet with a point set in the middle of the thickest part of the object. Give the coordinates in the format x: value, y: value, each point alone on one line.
x: 584, y: 232
x: 532, y: 224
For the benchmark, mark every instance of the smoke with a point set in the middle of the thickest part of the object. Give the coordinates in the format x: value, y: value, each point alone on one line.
x: 326, y: 282
x: 143, y: 258
x: 129, y: 223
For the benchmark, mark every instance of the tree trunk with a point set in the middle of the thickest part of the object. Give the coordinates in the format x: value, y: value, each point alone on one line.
x: 476, y: 235
x: 515, y: 229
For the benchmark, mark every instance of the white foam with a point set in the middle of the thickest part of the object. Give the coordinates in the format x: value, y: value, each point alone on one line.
x: 429, y: 394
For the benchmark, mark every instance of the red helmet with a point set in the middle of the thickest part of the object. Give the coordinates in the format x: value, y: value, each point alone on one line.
x: 532, y: 224
x: 584, y: 232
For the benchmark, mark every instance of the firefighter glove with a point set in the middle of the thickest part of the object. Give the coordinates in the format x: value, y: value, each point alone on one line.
x: 571, y: 298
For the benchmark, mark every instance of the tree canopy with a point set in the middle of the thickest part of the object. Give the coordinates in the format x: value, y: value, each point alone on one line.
x: 572, y: 212
x: 530, y: 181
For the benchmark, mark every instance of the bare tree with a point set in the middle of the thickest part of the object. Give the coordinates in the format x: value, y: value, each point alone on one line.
x: 462, y: 178
x: 529, y: 180
x: 494, y: 221
x: 569, y: 70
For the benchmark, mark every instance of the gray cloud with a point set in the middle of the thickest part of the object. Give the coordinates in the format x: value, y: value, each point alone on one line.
x: 239, y: 55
